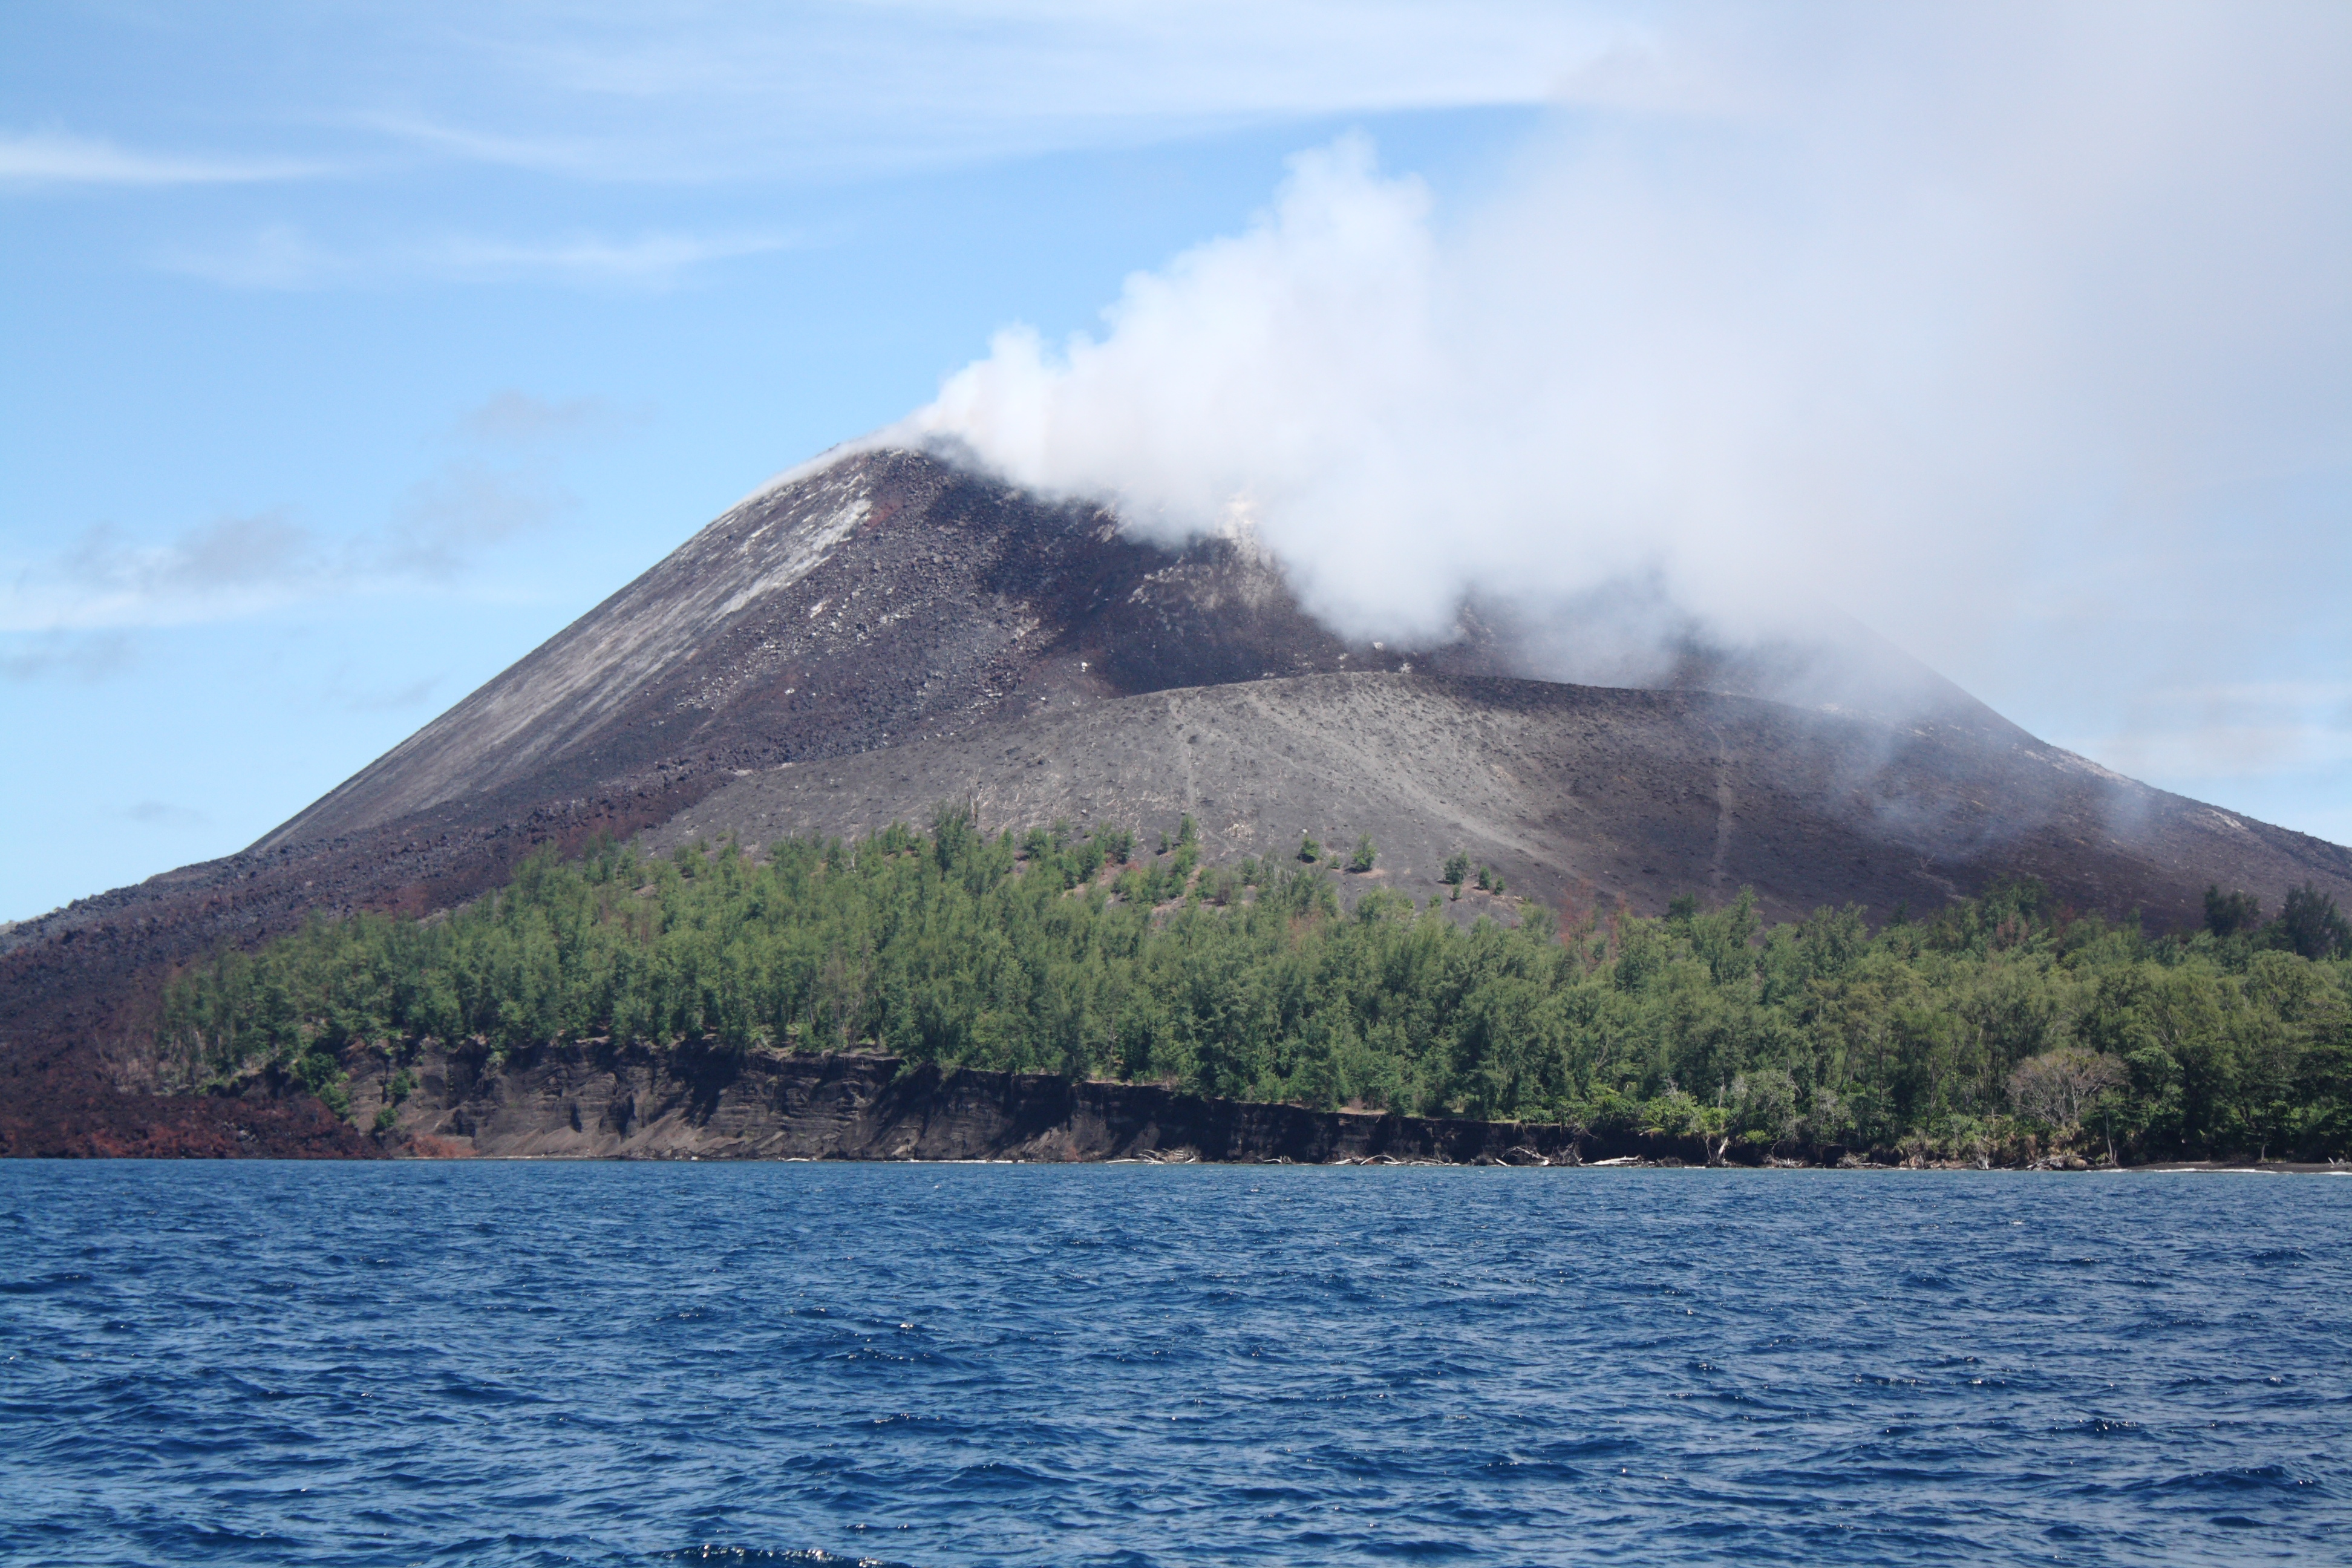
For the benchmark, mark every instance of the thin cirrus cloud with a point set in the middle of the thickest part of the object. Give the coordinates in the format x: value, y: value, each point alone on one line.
x: 2235, y: 731
x: 735, y: 91
x: 283, y: 256
x: 534, y: 151
x: 164, y: 814
x: 68, y: 611
x: 732, y: 91
x: 516, y: 418
x: 468, y: 505
x: 1048, y: 59
x: 107, y: 581
x: 53, y: 158
x: 651, y: 260
x: 62, y: 654
x: 356, y: 698
x: 236, y: 568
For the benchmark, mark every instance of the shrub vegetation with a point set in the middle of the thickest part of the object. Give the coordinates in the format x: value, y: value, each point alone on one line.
x: 2001, y: 1024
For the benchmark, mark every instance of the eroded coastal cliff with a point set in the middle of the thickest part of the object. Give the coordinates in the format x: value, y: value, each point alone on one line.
x: 593, y: 1100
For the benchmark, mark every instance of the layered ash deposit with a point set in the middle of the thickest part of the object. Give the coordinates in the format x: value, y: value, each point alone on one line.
x: 887, y: 633
x: 595, y: 1100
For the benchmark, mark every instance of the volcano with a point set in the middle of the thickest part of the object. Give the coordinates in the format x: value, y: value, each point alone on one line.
x: 863, y: 641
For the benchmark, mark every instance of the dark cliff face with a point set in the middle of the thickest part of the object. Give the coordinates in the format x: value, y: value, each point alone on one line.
x: 595, y: 1101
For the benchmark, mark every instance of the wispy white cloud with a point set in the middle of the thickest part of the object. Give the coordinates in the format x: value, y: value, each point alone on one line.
x: 357, y: 698
x: 1052, y: 62
x: 83, y: 658
x: 650, y: 260
x: 236, y: 568
x: 539, y: 152
x: 282, y: 256
x: 50, y: 158
x: 224, y: 569
x: 277, y: 255
x: 2226, y: 753
x: 68, y: 608
x: 465, y: 507
x: 2229, y: 732
x: 164, y: 814
x: 512, y: 418
x: 737, y: 90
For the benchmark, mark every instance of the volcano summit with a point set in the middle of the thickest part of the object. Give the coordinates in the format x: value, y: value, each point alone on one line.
x: 887, y: 632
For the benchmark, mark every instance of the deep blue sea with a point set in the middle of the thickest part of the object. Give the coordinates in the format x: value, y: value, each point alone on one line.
x: 488, y: 1364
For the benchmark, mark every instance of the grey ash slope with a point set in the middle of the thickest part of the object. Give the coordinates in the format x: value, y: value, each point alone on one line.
x: 889, y: 597
x: 1581, y: 796
x: 886, y: 597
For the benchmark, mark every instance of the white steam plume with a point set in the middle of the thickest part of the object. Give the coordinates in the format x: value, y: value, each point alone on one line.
x: 1916, y: 311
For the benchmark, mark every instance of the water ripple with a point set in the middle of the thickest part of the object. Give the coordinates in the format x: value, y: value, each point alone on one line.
x: 830, y: 1366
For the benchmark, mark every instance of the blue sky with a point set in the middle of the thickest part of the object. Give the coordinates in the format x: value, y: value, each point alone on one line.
x: 351, y: 351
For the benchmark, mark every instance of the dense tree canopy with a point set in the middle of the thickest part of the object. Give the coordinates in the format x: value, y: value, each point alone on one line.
x: 2001, y: 1019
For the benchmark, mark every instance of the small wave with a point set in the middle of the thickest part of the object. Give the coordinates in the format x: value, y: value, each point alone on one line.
x: 49, y: 1284
x: 470, y: 1391
x: 805, y: 1557
x: 2243, y: 1479
x: 1458, y: 1370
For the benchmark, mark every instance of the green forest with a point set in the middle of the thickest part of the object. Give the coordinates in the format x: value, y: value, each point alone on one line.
x: 2000, y: 1028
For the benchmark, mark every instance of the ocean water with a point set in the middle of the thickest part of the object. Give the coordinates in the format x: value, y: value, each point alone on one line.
x: 492, y: 1363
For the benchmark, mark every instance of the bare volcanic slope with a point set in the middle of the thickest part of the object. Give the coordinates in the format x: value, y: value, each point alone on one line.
x: 889, y: 597
x: 886, y: 597
x: 1579, y: 795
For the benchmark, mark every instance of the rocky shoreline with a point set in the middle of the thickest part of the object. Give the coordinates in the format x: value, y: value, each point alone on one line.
x: 593, y: 1099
